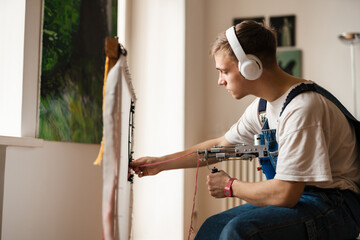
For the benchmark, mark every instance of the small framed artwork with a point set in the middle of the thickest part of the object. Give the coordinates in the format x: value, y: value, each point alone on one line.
x: 285, y: 29
x: 239, y: 20
x: 289, y: 60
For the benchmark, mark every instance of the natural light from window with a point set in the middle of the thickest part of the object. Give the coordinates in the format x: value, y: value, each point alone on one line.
x: 12, y: 25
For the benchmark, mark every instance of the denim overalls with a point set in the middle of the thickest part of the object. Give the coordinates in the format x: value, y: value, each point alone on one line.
x: 268, y: 164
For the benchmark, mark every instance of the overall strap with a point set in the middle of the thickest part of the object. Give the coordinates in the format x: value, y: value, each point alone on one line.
x: 262, y: 112
x: 262, y: 105
x: 316, y: 88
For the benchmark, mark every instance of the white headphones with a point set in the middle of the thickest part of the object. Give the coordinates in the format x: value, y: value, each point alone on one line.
x: 250, y: 66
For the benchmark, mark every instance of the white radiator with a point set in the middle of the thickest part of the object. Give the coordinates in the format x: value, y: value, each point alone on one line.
x: 245, y: 171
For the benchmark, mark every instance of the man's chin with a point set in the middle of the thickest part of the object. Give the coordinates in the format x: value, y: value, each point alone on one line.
x: 237, y: 97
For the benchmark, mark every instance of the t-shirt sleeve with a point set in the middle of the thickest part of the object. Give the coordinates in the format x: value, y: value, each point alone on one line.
x: 294, y: 165
x: 303, y: 154
x: 246, y: 127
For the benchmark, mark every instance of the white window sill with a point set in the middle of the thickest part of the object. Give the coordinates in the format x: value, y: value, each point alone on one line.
x: 21, y: 141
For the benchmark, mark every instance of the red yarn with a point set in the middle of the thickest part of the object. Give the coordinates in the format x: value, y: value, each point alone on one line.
x: 191, y: 230
x: 166, y: 161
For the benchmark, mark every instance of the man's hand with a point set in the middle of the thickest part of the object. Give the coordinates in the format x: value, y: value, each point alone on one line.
x: 141, y: 171
x: 216, y: 183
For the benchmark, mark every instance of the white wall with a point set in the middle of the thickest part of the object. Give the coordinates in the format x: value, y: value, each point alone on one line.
x: 52, y: 192
x: 194, y: 102
x: 157, y: 66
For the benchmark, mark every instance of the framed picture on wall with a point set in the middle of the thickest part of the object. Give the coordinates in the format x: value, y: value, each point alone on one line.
x: 239, y: 20
x: 285, y: 29
x: 289, y: 60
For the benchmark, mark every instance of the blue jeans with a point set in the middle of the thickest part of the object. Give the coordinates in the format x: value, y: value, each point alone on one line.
x: 320, y: 214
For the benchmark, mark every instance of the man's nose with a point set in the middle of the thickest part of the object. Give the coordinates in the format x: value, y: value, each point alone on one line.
x: 221, y: 80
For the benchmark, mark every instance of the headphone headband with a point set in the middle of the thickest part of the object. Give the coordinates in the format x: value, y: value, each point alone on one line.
x: 235, y: 45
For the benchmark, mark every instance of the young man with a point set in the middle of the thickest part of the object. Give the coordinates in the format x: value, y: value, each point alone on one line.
x: 315, y: 191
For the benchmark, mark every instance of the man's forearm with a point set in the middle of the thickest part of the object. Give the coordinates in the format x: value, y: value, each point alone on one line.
x: 272, y: 192
x: 190, y: 161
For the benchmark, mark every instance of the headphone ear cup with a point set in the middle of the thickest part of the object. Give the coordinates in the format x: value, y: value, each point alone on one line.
x: 251, y: 69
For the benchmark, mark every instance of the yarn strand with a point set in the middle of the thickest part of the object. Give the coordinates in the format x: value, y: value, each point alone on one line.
x: 191, y: 229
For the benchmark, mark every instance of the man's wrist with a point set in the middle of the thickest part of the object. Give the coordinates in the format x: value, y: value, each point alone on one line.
x: 228, y: 190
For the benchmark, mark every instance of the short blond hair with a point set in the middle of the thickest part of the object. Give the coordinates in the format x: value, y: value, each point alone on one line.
x: 255, y: 38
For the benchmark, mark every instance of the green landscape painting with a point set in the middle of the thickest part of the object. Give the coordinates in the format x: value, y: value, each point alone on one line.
x: 72, y: 70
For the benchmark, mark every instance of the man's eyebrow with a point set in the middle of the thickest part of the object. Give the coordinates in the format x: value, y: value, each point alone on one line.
x: 221, y: 69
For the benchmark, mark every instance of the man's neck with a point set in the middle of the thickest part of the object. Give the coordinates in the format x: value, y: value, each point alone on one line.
x: 273, y: 84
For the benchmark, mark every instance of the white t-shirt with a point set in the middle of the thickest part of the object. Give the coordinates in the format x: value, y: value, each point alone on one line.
x: 317, y: 145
